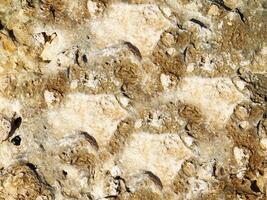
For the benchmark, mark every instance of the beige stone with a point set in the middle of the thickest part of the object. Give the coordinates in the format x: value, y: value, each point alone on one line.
x: 132, y: 99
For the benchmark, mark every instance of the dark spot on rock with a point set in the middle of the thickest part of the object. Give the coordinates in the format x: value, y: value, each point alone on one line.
x: 30, y: 3
x: 241, y: 15
x: 15, y: 124
x: 201, y: 24
x: 31, y: 166
x: 77, y: 57
x: 47, y: 38
x: 12, y: 35
x: 16, y: 140
x: 91, y: 140
x: 53, y: 11
x: 134, y: 49
x: 1, y: 25
x: 154, y: 178
x: 64, y: 173
x: 254, y: 187
x: 111, y: 197
x: 84, y: 57
x: 221, y: 4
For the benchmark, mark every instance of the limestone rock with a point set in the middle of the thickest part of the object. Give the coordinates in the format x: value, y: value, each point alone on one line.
x: 133, y: 99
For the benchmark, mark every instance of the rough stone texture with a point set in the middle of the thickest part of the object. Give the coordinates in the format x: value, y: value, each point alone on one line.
x: 133, y: 99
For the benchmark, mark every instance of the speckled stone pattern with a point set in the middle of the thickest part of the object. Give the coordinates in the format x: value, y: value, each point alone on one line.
x: 133, y: 99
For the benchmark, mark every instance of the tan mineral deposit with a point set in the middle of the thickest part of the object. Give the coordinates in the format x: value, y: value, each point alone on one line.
x: 133, y: 99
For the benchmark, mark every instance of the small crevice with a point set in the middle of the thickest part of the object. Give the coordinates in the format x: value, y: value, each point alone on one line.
x: 201, y: 24
x: 254, y: 187
x: 31, y: 166
x: 30, y: 3
x: 91, y: 140
x: 53, y: 11
x: 15, y: 124
x: 77, y: 57
x: 242, y: 17
x: 221, y: 4
x: 124, y: 181
x: 47, y: 38
x: 12, y: 35
x: 154, y: 178
x: 133, y: 49
x: 64, y: 173
x: 1, y: 26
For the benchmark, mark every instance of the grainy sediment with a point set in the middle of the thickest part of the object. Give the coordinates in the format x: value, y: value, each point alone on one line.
x: 133, y: 99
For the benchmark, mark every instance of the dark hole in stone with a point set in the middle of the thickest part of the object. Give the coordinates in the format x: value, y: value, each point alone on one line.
x: 1, y: 25
x: 240, y: 14
x: 42, y: 147
x: 15, y: 124
x: 31, y: 166
x: 85, y: 58
x: 64, y: 173
x: 221, y: 3
x: 53, y: 11
x: 47, y: 38
x: 30, y: 3
x: 254, y: 187
x: 111, y: 197
x: 12, y: 35
x: 16, y: 140
x: 77, y: 57
x: 201, y: 24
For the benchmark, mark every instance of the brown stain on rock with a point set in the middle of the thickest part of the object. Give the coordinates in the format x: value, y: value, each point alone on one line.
x: 23, y: 183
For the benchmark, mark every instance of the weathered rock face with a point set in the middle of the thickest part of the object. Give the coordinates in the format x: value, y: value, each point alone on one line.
x: 133, y: 99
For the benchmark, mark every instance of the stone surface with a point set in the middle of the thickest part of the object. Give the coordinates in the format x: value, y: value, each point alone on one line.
x: 133, y: 99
